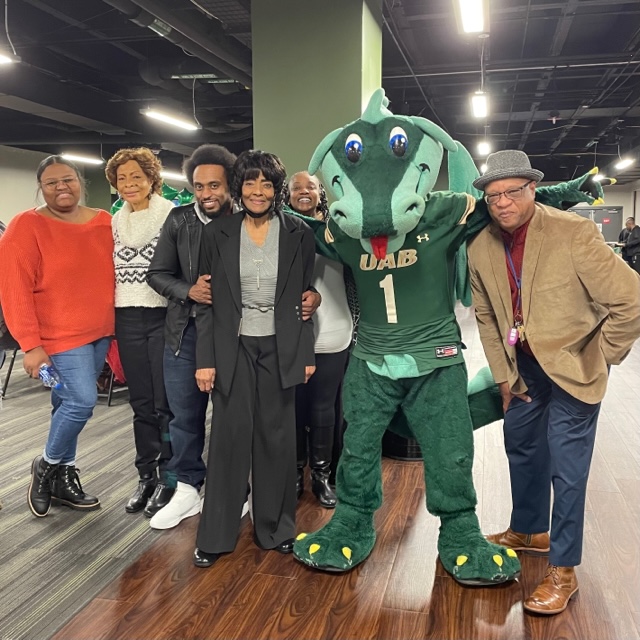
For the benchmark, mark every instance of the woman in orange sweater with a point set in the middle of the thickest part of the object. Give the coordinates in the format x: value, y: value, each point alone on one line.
x: 57, y: 291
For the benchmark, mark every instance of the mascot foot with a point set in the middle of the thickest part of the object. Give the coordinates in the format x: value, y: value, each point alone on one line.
x: 470, y: 558
x: 337, y: 547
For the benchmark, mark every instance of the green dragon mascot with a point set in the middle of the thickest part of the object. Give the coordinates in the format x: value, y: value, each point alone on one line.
x: 401, y: 240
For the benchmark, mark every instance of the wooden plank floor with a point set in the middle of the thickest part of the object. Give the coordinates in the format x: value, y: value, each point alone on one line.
x: 401, y: 592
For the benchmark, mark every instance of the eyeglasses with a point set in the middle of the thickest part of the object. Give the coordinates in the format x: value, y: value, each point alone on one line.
x: 512, y: 194
x: 52, y: 184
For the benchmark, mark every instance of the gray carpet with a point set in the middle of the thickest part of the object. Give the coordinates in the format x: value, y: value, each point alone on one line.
x: 51, y: 567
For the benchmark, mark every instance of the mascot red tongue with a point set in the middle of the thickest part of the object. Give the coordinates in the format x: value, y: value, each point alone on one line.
x: 379, y: 246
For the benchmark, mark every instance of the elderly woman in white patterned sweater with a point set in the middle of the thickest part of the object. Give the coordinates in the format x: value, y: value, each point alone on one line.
x: 140, y: 318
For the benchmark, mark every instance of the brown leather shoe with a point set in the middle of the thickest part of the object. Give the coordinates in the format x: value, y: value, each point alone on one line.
x: 552, y: 595
x: 532, y: 543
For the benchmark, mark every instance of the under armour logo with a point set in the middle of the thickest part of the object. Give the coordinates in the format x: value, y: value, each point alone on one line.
x: 425, y: 237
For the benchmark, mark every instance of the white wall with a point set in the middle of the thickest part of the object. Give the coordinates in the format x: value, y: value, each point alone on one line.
x: 18, y: 180
x: 20, y: 190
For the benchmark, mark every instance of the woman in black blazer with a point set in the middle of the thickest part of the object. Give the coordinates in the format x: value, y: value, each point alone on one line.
x: 253, y: 349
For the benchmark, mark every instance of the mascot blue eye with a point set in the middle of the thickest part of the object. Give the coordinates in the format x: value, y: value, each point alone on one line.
x: 353, y: 147
x: 398, y: 141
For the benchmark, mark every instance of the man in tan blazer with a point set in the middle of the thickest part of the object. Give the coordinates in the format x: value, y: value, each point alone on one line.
x: 555, y: 307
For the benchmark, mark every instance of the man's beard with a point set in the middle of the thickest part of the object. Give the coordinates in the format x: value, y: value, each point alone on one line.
x: 222, y: 211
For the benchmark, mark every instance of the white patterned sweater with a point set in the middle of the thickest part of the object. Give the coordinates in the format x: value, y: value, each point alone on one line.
x: 135, y: 235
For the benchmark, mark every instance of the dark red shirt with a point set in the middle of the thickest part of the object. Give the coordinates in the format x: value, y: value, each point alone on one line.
x: 515, y: 242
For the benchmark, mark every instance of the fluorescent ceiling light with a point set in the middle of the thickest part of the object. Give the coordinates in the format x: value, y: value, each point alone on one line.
x: 623, y: 164
x: 484, y: 148
x: 172, y: 175
x: 6, y: 59
x: 483, y: 168
x: 193, y: 76
x: 472, y: 15
x: 479, y: 104
x: 83, y: 159
x: 598, y: 177
x: 176, y: 122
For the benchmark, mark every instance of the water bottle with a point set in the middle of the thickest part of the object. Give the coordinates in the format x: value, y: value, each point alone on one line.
x: 49, y: 376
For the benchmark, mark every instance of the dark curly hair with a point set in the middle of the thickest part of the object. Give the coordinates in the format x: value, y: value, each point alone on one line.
x: 248, y: 167
x: 323, y: 203
x: 149, y: 163
x: 209, y: 154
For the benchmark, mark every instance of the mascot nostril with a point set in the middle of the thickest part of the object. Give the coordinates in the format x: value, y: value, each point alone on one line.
x: 342, y: 214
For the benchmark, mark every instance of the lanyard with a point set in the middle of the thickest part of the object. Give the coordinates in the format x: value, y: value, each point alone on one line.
x: 518, y: 281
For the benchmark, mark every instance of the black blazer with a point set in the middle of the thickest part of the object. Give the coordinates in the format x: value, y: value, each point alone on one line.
x: 218, y: 325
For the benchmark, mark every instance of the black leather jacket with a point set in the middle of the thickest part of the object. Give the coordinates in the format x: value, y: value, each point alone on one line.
x: 174, y: 269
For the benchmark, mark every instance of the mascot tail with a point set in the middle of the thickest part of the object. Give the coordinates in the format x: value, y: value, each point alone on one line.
x: 485, y: 401
x: 485, y: 404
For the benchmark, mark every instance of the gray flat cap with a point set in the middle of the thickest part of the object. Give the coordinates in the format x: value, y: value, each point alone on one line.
x: 507, y: 164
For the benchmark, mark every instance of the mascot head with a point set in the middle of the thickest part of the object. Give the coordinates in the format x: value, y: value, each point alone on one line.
x: 379, y: 170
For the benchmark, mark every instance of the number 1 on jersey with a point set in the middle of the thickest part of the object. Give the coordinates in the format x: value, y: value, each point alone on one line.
x: 386, y: 284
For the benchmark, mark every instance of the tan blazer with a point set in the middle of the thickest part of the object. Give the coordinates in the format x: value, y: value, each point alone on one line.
x: 580, y: 302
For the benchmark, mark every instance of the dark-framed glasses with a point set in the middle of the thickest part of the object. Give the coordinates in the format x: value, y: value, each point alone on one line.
x: 513, y: 194
x: 52, y: 184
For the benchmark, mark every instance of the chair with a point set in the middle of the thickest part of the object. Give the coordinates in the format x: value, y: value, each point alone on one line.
x: 12, y: 360
x: 113, y: 373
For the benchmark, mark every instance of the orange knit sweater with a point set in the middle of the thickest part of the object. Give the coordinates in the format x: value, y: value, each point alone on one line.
x: 57, y: 282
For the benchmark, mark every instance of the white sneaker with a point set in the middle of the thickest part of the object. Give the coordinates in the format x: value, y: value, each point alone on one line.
x: 184, y: 504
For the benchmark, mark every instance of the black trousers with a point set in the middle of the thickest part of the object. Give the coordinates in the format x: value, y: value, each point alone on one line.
x: 140, y: 336
x: 316, y: 406
x: 253, y: 429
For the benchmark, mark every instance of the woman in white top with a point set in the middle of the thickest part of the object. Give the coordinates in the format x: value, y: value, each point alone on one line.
x: 140, y: 318
x: 317, y: 425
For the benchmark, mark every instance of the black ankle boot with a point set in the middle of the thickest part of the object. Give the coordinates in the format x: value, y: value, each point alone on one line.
x: 143, y: 492
x: 159, y: 499
x: 66, y: 490
x: 320, y: 445
x: 39, y: 496
x: 300, y: 482
x: 321, y: 489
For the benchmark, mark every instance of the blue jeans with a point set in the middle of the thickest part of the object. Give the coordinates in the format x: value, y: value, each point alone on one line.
x: 189, y: 408
x: 549, y: 442
x: 74, y: 402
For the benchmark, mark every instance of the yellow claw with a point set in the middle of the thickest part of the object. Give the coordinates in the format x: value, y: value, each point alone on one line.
x: 301, y: 536
x: 598, y: 201
x: 498, y: 559
x: 613, y: 180
x: 313, y: 548
x: 593, y: 171
x: 460, y: 560
x: 346, y: 552
x: 511, y: 553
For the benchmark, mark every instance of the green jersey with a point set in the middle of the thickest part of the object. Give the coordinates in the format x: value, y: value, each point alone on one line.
x: 407, y: 318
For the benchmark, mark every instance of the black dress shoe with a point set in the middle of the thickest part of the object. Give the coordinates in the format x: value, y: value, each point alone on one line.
x: 146, y: 487
x: 160, y: 498
x: 203, y: 559
x: 286, y: 546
